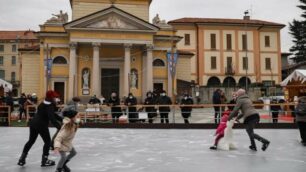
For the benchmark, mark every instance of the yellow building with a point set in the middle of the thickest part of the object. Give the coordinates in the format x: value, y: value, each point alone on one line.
x: 10, y: 63
x: 227, y: 51
x: 108, y: 46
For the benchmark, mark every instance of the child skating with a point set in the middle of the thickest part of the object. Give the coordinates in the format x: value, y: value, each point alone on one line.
x: 221, y: 128
x: 63, y: 141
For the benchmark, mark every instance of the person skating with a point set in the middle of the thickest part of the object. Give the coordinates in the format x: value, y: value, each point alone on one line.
x: 186, y: 110
x: 251, y: 118
x: 217, y: 101
x: 221, y: 127
x: 301, y: 118
x: 39, y: 125
x: 164, y: 110
x: 63, y: 140
x: 22, y: 109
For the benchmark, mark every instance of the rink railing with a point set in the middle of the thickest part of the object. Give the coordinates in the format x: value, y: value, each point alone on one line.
x: 201, y: 114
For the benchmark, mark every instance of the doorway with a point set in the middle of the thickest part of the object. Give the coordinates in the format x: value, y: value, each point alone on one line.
x: 59, y: 87
x: 158, y: 87
x: 110, y: 82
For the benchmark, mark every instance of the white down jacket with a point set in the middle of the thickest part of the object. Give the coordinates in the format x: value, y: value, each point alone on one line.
x: 64, y: 138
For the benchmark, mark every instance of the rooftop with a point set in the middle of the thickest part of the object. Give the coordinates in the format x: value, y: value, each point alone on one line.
x: 187, y: 20
x: 13, y: 35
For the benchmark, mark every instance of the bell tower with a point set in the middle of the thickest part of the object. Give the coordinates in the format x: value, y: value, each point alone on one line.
x: 139, y: 8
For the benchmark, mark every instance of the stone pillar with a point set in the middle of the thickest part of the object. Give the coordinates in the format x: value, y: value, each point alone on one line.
x: 149, y: 68
x: 127, y: 68
x: 96, y: 70
x: 72, y: 71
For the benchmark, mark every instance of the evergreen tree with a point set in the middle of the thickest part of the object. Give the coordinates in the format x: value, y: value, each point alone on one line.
x: 298, y: 31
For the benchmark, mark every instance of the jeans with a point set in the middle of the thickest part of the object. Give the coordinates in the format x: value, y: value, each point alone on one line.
x: 65, y: 158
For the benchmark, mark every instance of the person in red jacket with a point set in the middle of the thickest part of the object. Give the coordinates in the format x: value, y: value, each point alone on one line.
x: 222, y: 126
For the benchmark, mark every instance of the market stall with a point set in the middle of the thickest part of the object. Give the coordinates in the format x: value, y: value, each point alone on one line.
x: 295, y: 85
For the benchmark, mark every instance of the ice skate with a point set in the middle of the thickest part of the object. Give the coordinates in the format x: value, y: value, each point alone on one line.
x: 45, y: 162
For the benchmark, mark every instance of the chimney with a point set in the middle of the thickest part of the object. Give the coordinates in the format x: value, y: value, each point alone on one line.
x: 246, y: 15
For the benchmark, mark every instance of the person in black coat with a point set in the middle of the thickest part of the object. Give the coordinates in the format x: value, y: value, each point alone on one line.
x: 186, y: 110
x: 131, y: 102
x: 22, y: 100
x: 94, y: 100
x: 150, y: 109
x: 216, y: 101
x: 114, y: 102
x: 39, y: 125
x: 275, y: 108
x: 164, y: 110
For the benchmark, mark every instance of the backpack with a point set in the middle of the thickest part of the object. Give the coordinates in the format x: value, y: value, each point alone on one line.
x: 300, y: 109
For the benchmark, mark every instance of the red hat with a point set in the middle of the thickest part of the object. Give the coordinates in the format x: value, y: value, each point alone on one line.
x: 51, y: 94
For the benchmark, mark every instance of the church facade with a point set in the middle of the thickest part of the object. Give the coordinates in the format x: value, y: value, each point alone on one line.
x: 108, y: 46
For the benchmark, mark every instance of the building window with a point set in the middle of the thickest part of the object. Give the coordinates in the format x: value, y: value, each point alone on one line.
x: 14, y: 48
x: 245, y: 64
x: 1, y: 60
x: 158, y: 63
x: 59, y: 60
x: 213, y: 62
x: 2, y: 74
x: 244, y: 42
x: 267, y: 41
x: 187, y: 39
x: 268, y: 63
x: 213, y: 41
x: 229, y: 62
x: 13, y: 60
x: 13, y: 76
x: 228, y: 41
x: 1, y: 48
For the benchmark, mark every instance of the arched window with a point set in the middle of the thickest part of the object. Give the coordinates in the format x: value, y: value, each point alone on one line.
x: 158, y: 63
x: 242, y: 82
x: 214, y: 82
x: 59, y: 60
x: 229, y: 82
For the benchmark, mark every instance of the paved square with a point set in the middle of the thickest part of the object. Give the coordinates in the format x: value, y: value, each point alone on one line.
x: 125, y: 150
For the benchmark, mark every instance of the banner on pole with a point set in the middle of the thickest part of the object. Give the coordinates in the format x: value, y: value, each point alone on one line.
x: 172, y: 62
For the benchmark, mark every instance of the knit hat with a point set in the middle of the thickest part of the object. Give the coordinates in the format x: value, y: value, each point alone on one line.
x: 70, y: 113
x: 51, y: 95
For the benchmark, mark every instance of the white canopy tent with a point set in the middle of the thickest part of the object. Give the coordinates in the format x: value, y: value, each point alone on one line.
x: 8, y: 85
x: 297, y: 75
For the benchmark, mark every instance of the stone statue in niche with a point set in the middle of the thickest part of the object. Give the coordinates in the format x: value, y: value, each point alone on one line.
x: 134, y: 79
x: 85, y: 74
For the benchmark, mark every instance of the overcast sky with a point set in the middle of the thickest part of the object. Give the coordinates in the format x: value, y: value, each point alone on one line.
x: 28, y: 14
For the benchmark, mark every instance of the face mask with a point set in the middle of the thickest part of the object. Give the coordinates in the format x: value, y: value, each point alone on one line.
x: 131, y: 97
x: 57, y: 100
x: 185, y: 98
x: 163, y: 94
x: 77, y: 120
x: 149, y: 95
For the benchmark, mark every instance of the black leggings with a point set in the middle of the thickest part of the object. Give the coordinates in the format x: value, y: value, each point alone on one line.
x: 250, y: 123
x: 217, y: 114
x: 44, y: 134
x: 302, y: 128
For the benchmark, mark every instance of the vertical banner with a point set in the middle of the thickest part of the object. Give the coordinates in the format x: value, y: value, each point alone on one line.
x: 172, y: 61
x: 48, y: 64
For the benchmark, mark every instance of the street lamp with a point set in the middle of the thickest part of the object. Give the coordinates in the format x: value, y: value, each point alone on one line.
x: 246, y: 13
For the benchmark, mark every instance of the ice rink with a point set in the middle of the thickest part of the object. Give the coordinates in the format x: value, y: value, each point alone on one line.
x: 126, y: 150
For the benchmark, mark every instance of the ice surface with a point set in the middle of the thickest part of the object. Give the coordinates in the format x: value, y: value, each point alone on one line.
x: 126, y: 150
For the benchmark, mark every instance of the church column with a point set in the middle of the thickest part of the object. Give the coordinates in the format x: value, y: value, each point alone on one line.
x: 95, y: 70
x: 149, y: 67
x: 72, y: 71
x: 127, y: 68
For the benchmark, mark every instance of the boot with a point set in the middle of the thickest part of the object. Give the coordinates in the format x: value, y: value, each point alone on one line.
x: 22, y: 159
x: 265, y: 145
x: 45, y: 162
x: 60, y: 170
x: 65, y: 167
x: 253, y: 148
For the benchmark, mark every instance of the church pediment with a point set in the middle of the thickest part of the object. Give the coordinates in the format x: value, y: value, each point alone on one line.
x: 113, y: 19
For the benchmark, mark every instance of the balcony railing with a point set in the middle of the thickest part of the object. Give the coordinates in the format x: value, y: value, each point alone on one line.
x: 229, y: 70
